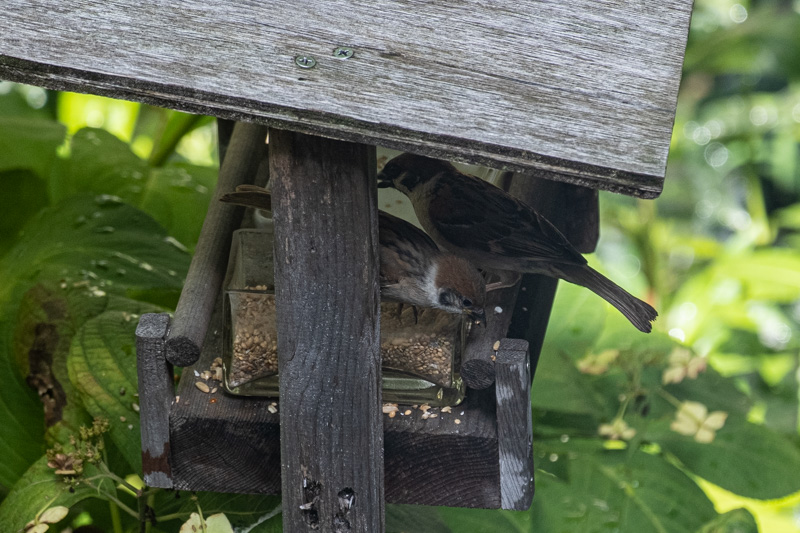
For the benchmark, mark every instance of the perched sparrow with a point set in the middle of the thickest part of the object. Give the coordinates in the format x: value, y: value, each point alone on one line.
x: 412, y: 268
x: 482, y: 223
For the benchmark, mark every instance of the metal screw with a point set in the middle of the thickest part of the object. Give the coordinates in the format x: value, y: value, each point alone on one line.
x: 305, y: 61
x: 343, y: 53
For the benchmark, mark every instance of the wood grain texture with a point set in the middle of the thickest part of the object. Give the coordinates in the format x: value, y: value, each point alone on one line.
x: 155, y: 397
x: 477, y: 363
x: 193, y: 312
x: 324, y: 205
x: 514, y: 425
x: 581, y: 91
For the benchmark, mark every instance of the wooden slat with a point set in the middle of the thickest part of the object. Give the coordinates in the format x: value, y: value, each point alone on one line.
x: 583, y: 91
x: 155, y: 397
x: 327, y: 311
x: 514, y: 424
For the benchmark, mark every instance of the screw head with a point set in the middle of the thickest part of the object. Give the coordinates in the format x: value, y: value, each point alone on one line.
x: 305, y: 61
x: 343, y: 53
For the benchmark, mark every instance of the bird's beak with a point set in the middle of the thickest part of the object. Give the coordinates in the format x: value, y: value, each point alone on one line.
x: 478, y: 317
x: 384, y: 182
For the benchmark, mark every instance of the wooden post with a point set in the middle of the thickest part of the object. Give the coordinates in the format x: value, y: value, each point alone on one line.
x: 204, y: 279
x: 574, y: 211
x: 156, y: 393
x: 327, y: 297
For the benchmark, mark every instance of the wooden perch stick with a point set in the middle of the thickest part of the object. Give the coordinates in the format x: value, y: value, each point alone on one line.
x: 207, y: 270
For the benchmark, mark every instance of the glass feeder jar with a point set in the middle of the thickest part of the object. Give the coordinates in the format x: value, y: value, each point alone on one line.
x: 421, y: 354
x: 250, y: 340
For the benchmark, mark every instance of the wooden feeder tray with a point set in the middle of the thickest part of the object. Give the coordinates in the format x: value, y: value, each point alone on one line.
x: 224, y: 443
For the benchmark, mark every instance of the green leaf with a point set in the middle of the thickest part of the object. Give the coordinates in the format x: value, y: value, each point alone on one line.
x: 619, y: 491
x: 415, y: 519
x: 246, y: 512
x: 99, y: 163
x: 177, y: 196
x: 736, y: 521
x: 24, y: 194
x: 37, y: 490
x: 29, y: 143
x: 474, y: 521
x: 101, y: 363
x: 576, y: 321
x: 96, y: 245
x: 746, y: 459
x: 560, y: 386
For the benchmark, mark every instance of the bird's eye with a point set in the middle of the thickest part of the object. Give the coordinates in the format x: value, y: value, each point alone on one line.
x: 466, y: 302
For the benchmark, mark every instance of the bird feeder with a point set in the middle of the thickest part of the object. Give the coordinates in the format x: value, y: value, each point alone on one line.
x: 581, y: 93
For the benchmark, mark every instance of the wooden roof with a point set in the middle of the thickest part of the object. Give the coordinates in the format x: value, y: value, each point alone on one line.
x: 583, y: 90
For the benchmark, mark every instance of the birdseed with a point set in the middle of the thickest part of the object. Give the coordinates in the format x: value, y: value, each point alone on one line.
x: 423, y: 347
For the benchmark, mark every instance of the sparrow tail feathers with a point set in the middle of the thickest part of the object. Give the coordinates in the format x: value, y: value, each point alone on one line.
x: 640, y: 313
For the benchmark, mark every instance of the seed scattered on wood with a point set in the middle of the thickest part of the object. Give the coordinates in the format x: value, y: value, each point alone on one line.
x: 389, y: 408
x: 214, y: 390
x: 457, y: 421
x: 447, y: 409
x: 272, y: 409
x: 212, y: 400
x: 496, y: 346
x: 407, y: 412
x: 202, y: 386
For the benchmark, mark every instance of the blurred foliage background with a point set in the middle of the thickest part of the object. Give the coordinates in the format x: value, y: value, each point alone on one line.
x: 693, y: 428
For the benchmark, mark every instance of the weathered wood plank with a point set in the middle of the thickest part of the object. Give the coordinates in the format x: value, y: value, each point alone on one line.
x: 155, y: 397
x: 583, y: 91
x: 514, y: 424
x: 189, y: 325
x: 324, y: 204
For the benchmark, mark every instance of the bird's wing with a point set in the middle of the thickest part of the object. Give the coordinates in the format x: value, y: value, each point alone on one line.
x: 405, y: 249
x: 474, y: 214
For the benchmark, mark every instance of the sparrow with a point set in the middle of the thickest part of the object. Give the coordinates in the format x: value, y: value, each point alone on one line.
x: 482, y: 223
x: 413, y: 270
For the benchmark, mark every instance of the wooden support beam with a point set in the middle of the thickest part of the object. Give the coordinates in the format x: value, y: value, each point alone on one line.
x: 573, y: 210
x: 327, y: 298
x: 207, y: 269
x: 156, y: 394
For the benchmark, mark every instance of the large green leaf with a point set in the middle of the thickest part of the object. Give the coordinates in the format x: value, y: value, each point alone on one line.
x: 102, y: 368
x: 736, y: 521
x: 623, y: 491
x: 177, y: 195
x: 93, y: 244
x: 576, y: 321
x: 38, y: 489
x: 24, y: 194
x: 245, y: 511
x: 746, y: 459
x: 559, y: 386
x: 28, y: 143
